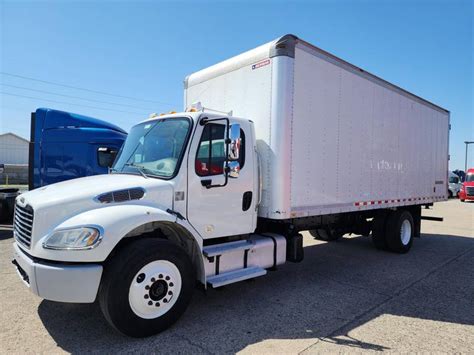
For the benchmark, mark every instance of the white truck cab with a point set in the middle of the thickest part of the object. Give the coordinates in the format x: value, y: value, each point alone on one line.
x: 174, y: 175
x: 215, y: 198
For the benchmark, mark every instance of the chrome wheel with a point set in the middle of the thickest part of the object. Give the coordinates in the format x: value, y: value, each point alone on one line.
x: 155, y: 289
x: 405, y: 232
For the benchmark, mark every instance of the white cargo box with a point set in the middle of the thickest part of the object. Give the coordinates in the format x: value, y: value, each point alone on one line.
x: 332, y: 137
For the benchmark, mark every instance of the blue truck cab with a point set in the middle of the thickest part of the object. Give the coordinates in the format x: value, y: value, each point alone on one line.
x: 66, y: 145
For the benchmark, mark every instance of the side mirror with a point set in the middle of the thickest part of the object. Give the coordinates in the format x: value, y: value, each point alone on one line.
x: 234, y: 144
x: 232, y: 169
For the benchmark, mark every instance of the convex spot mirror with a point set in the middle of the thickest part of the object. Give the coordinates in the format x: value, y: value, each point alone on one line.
x: 233, y: 169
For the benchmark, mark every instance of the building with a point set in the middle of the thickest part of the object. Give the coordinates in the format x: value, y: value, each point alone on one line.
x: 13, y: 149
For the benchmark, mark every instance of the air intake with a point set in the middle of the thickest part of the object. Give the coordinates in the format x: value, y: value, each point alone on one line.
x: 121, y: 195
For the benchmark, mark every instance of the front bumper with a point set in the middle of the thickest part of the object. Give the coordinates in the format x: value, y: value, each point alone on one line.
x: 76, y: 283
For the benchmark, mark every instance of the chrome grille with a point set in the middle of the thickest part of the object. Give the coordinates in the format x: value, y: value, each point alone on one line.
x: 23, y: 224
x: 470, y: 190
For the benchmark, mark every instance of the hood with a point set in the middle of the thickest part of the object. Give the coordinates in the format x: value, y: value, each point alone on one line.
x: 53, y: 204
x: 89, y: 187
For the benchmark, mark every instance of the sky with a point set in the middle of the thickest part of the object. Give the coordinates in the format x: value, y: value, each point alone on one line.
x: 122, y: 60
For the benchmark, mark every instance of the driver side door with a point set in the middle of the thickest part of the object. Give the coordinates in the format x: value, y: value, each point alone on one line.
x: 222, y: 210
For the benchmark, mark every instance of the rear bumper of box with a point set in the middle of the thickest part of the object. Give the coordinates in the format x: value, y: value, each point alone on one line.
x: 75, y: 283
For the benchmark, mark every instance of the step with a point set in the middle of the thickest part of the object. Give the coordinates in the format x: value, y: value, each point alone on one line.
x: 219, y: 249
x: 235, y: 276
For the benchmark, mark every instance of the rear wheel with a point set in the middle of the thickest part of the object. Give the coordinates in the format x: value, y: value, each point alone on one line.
x: 326, y: 234
x: 146, y: 287
x: 400, y: 231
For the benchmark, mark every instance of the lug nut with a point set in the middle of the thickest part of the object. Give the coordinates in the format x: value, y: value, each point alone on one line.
x: 157, y: 304
x: 146, y: 296
x: 147, y: 287
x: 160, y: 276
x: 167, y: 278
x: 153, y: 279
x: 165, y: 300
x: 171, y: 284
x: 170, y: 293
x: 150, y: 303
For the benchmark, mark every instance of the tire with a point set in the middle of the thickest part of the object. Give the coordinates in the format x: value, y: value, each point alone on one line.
x: 326, y: 234
x: 461, y: 200
x: 378, y: 231
x: 450, y: 194
x: 156, y: 269
x: 399, y: 231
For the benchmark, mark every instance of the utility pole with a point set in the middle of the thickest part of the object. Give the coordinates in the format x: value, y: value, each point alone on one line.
x: 465, y: 160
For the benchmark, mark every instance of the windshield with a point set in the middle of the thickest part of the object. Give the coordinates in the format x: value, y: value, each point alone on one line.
x: 154, y: 148
x: 469, y: 177
x: 453, y: 180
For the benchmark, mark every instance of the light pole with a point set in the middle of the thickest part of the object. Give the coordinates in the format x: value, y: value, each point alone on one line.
x: 465, y: 161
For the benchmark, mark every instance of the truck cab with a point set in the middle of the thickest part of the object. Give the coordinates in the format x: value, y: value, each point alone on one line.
x: 454, y: 184
x: 65, y: 145
x: 181, y: 185
x: 466, y: 192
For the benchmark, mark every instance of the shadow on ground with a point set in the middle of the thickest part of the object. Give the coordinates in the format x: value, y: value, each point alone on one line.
x: 6, y: 232
x: 338, y: 287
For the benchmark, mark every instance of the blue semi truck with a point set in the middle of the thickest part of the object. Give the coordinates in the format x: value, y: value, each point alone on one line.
x: 66, y: 145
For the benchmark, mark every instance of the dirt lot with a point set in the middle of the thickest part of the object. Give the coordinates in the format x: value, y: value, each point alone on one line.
x: 345, y: 296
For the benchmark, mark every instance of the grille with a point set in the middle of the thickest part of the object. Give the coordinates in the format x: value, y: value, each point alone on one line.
x: 23, y: 224
x: 470, y: 190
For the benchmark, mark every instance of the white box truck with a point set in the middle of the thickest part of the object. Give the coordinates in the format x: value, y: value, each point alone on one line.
x: 296, y: 139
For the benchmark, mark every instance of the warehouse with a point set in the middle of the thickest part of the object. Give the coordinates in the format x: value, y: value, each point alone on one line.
x: 13, y: 149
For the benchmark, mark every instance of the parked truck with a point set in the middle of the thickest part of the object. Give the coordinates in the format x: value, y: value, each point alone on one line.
x: 65, y: 145
x: 221, y: 195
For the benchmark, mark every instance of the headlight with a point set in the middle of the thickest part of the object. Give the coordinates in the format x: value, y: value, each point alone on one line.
x: 73, y: 239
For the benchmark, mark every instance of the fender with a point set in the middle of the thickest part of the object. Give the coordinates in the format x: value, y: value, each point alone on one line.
x: 114, y: 222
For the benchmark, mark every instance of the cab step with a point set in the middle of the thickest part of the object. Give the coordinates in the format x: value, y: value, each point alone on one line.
x: 235, y: 276
x: 219, y: 249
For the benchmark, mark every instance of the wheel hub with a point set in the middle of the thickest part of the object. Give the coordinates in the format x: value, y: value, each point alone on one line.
x: 153, y: 290
x: 158, y: 290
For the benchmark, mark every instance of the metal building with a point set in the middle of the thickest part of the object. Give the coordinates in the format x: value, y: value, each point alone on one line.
x: 13, y: 149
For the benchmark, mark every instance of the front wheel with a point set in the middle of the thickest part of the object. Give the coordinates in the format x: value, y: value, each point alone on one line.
x: 146, y: 287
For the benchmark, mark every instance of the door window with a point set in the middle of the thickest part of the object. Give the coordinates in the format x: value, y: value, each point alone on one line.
x: 211, y: 154
x: 106, y: 156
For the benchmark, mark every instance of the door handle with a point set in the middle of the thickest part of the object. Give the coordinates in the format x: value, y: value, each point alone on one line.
x: 247, y: 200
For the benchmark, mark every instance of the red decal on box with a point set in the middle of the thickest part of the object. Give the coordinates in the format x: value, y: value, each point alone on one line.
x: 260, y: 64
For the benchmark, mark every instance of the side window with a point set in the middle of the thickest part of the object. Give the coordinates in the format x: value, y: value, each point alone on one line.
x: 106, y: 156
x: 211, y: 153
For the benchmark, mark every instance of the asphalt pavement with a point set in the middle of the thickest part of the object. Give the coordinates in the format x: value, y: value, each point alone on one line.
x: 345, y: 296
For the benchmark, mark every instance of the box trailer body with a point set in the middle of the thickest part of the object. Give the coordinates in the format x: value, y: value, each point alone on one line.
x: 332, y: 137
x: 66, y: 146
x: 290, y: 138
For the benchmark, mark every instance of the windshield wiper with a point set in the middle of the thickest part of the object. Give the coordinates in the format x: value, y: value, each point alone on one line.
x: 140, y: 168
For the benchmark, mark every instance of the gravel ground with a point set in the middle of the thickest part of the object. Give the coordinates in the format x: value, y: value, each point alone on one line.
x: 345, y: 296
